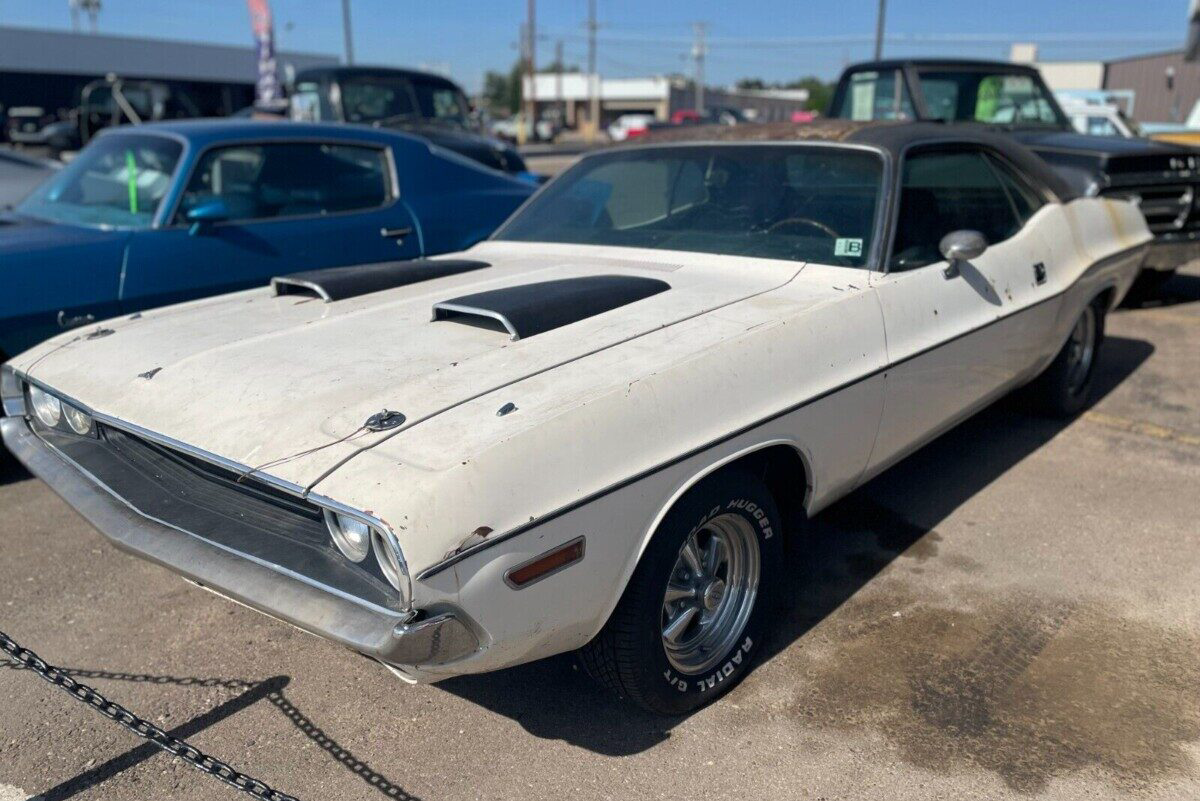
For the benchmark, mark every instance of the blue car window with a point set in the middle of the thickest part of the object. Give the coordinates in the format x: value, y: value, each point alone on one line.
x: 265, y: 181
x: 117, y: 181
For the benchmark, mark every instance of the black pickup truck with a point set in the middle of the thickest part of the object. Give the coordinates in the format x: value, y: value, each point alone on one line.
x: 419, y: 103
x: 1164, y: 179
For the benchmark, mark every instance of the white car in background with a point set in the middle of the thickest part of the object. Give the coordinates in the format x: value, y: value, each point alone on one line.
x: 629, y: 124
x: 595, y: 430
x: 1098, y: 119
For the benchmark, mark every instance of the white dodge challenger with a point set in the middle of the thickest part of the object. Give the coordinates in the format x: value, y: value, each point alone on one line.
x: 594, y: 430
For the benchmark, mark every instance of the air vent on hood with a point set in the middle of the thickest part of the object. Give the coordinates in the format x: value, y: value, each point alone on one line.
x: 530, y: 309
x: 340, y: 283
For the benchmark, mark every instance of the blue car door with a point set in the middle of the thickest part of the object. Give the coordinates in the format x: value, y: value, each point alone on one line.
x: 252, y: 211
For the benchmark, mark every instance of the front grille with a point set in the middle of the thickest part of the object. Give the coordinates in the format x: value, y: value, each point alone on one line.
x: 247, y: 516
x: 1167, y: 208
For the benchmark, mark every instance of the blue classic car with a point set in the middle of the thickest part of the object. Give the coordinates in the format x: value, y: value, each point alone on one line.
x: 166, y: 212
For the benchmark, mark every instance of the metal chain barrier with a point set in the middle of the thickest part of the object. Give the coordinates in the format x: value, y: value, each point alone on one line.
x: 142, y: 728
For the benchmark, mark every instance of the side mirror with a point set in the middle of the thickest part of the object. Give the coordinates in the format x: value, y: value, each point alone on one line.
x: 207, y: 213
x: 960, y: 246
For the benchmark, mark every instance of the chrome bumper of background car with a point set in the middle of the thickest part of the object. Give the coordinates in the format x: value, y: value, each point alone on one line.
x: 394, y: 637
x: 1172, y: 251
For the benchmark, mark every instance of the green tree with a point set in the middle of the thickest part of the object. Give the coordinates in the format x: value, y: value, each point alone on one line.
x: 819, y: 92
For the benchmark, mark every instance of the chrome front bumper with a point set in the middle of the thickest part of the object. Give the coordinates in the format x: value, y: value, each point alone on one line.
x: 404, y: 639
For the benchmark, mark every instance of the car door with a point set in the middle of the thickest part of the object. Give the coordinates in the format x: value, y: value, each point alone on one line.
x: 271, y: 208
x: 957, y: 335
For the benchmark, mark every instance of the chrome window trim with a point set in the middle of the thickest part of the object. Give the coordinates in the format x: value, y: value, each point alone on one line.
x: 390, y: 171
x: 883, y: 198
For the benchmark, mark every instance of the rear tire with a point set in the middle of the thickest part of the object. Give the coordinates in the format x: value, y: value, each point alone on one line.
x: 681, y: 637
x: 1066, y: 386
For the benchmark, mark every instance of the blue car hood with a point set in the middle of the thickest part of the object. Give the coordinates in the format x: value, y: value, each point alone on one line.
x: 20, y: 234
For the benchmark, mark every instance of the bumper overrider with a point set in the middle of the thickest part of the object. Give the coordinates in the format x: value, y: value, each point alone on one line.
x: 312, y: 591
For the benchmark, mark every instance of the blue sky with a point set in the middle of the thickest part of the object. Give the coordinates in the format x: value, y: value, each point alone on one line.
x: 772, y: 39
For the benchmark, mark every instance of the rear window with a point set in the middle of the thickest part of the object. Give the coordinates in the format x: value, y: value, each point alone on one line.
x: 875, y: 95
x: 988, y: 97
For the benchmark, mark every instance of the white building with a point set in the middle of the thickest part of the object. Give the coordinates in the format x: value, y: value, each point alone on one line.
x: 658, y: 95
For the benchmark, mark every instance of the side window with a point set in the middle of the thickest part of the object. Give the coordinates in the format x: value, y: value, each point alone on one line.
x: 1025, y: 198
x: 876, y: 95
x: 261, y: 182
x: 944, y: 191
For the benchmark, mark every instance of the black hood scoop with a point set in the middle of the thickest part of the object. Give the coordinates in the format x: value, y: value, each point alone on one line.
x: 530, y: 309
x: 340, y: 283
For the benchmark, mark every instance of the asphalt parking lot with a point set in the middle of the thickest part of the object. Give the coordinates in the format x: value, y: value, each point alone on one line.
x: 1012, y: 612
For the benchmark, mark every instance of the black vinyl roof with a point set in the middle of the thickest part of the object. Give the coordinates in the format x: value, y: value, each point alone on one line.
x: 893, y: 137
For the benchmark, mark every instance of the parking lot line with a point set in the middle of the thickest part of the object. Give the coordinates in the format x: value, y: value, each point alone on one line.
x: 1142, y: 427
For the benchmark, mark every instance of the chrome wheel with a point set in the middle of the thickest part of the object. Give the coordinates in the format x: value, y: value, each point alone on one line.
x: 710, y: 593
x: 1081, y: 351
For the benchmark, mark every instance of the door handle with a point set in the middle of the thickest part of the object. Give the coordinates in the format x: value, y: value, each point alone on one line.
x: 395, y: 233
x: 65, y: 322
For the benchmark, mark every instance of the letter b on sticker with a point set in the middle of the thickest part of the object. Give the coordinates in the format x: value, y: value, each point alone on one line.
x: 848, y: 247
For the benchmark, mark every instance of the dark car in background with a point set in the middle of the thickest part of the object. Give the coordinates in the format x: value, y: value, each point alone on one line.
x: 1162, y: 178
x: 415, y: 102
x: 156, y: 214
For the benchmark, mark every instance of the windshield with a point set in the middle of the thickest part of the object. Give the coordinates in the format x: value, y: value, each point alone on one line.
x: 801, y: 202
x: 377, y: 98
x: 996, y: 98
x: 119, y: 180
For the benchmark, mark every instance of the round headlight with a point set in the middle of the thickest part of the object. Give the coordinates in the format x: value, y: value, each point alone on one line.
x: 390, y: 561
x: 47, y: 407
x: 80, y: 422
x: 351, y: 536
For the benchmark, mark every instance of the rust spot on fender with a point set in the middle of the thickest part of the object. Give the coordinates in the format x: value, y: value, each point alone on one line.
x: 474, y: 538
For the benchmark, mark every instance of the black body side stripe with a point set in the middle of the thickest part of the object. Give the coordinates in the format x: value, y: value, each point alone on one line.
x: 438, y: 567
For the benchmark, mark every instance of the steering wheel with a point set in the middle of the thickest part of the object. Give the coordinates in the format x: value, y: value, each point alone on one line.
x: 805, y: 221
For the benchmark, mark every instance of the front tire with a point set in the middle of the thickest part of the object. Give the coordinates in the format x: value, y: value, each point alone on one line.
x: 691, y: 620
x: 1066, y: 386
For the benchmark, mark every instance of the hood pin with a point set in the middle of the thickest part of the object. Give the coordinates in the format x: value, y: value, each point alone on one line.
x: 384, y: 421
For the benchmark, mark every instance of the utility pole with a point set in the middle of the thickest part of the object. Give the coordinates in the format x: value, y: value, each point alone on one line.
x: 91, y: 7
x: 593, y: 78
x: 347, y: 34
x: 531, y: 66
x: 879, y: 29
x: 698, y: 54
x: 558, y: 89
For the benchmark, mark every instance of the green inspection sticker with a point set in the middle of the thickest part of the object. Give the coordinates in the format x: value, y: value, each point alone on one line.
x: 847, y: 247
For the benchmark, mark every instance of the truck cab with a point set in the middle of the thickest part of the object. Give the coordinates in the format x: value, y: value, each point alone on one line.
x: 1162, y: 178
x: 420, y: 103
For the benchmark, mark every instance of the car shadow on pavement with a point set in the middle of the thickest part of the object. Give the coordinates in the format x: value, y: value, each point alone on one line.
x: 11, y: 470
x: 251, y: 692
x: 843, y: 548
x: 1179, y: 289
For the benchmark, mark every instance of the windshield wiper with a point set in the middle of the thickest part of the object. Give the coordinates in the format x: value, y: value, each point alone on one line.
x: 393, y: 118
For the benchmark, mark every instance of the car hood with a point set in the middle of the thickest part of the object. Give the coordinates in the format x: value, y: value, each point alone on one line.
x: 285, y: 384
x: 486, y: 150
x: 1098, y: 145
x: 19, y: 233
